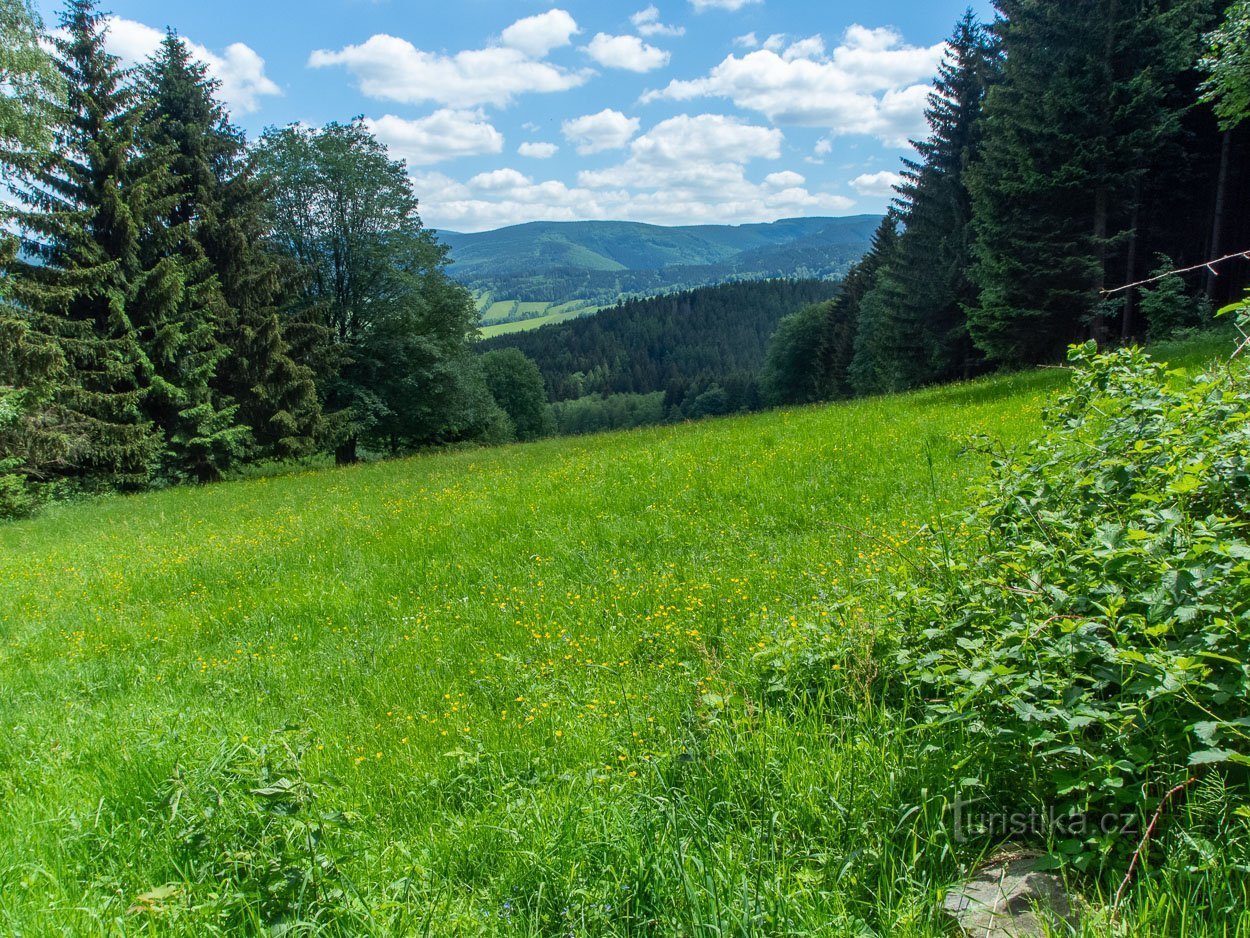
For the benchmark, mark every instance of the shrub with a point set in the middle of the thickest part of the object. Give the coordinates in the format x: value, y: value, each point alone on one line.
x: 1093, y: 631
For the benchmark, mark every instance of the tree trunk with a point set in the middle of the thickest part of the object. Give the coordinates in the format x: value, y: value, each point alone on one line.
x: 1098, y: 325
x: 1130, y: 298
x: 345, y: 453
x: 1221, y: 195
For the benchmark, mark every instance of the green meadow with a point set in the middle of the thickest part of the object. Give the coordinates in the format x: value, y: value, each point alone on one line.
x: 517, y: 691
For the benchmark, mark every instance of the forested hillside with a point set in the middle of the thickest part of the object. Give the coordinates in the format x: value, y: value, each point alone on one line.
x: 682, y: 344
x: 601, y: 262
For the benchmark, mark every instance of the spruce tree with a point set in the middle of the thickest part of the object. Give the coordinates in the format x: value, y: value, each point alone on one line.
x: 82, y: 242
x: 218, y: 210
x: 915, y: 315
x: 1069, y: 137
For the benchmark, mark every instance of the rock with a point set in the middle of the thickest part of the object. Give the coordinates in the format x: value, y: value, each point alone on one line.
x: 1010, y: 898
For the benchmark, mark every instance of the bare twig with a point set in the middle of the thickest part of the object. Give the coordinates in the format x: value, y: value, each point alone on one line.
x: 1145, y: 842
x: 1208, y: 265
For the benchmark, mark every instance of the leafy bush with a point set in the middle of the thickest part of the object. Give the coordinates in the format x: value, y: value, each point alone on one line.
x: 1092, y: 632
x: 253, y: 840
x: 1169, y: 308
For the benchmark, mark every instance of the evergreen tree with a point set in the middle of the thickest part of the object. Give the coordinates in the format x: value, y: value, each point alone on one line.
x: 84, y: 235
x: 1069, y: 135
x: 218, y: 212
x: 851, y: 367
x: 916, y: 328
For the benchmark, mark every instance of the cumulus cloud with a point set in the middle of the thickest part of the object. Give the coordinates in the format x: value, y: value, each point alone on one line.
x: 594, y: 133
x: 393, y: 69
x: 711, y: 137
x: 881, y: 183
x: 538, y: 35
x: 538, y: 151
x: 731, y: 5
x: 444, y: 135
x: 784, y: 180
x: 647, y: 22
x: 626, y: 52
x: 872, y: 83
x: 239, y: 68
x: 684, y: 170
x: 813, y: 47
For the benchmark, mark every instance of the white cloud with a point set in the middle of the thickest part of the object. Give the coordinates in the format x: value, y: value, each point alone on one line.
x: 881, y: 183
x: 684, y: 170
x: 607, y: 130
x: 706, y: 137
x: 444, y: 135
x: 239, y: 68
x: 538, y: 35
x: 647, y: 22
x: 507, y: 197
x: 747, y: 41
x: 824, y: 146
x: 626, y: 52
x: 784, y: 180
x: 391, y: 68
x: 813, y: 47
x: 872, y: 84
x: 538, y: 151
x: 731, y: 5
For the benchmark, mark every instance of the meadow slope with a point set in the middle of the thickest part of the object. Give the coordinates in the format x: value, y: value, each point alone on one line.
x: 486, y: 691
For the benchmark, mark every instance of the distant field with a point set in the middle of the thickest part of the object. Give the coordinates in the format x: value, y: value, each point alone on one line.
x: 515, y: 691
x: 503, y: 317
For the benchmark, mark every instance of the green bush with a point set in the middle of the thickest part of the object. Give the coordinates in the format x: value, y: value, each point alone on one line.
x: 1091, y: 631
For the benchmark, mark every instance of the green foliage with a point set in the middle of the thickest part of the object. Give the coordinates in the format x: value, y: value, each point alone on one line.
x: 32, y: 87
x: 1089, y: 626
x: 596, y: 414
x: 393, y: 324
x: 517, y: 386
x: 1081, y: 136
x: 85, y: 208
x: 913, y: 328
x: 249, y: 825
x: 241, y: 394
x: 1227, y: 64
x: 794, y: 370
x: 1169, y: 307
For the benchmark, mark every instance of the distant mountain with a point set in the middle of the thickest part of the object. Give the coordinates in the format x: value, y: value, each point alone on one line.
x: 601, y: 262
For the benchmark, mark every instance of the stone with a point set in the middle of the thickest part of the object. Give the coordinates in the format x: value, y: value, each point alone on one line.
x: 1010, y: 898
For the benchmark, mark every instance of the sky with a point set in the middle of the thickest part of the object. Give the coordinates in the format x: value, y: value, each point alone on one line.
x: 507, y: 111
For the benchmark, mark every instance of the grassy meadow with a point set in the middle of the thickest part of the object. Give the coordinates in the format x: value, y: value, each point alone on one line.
x: 516, y: 691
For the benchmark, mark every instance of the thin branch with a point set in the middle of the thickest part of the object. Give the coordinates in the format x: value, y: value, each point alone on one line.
x: 1208, y: 265
x: 1145, y: 841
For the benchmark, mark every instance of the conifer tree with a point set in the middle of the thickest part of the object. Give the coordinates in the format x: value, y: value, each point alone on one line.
x: 217, y: 212
x: 84, y: 237
x: 916, y: 327
x: 1069, y: 135
x: 215, y: 221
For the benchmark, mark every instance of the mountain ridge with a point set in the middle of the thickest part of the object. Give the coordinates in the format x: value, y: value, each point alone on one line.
x: 602, y: 262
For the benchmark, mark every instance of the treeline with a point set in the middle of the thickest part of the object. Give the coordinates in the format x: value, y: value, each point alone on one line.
x: 176, y: 303
x: 702, y: 349
x: 1074, y: 147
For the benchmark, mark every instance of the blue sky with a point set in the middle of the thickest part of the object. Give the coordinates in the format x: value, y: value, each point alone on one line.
x: 506, y: 111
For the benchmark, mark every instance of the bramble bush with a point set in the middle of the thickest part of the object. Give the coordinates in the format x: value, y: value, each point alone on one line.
x: 1091, y: 632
